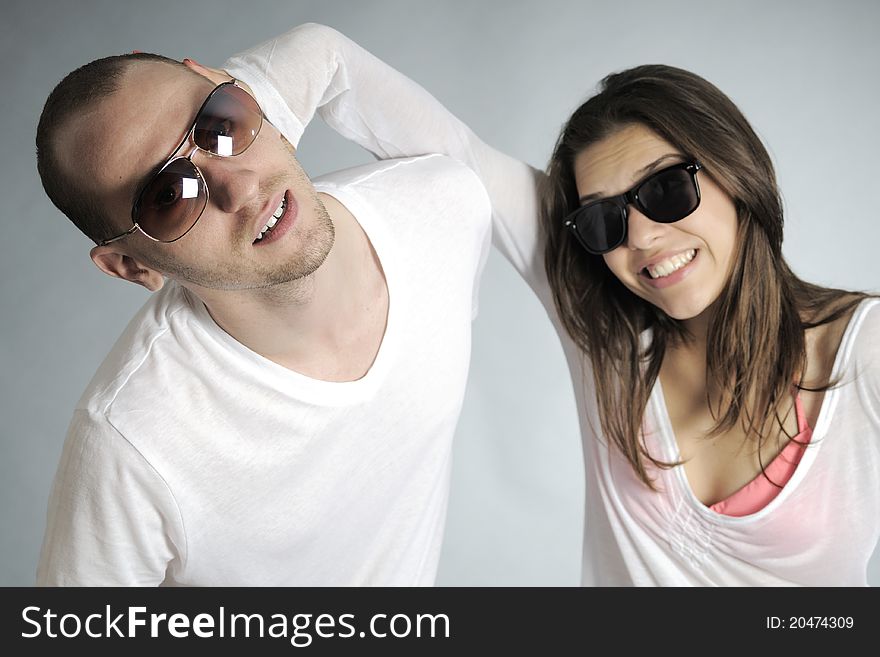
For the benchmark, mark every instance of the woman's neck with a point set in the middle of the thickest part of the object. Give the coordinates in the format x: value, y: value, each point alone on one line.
x: 698, y: 329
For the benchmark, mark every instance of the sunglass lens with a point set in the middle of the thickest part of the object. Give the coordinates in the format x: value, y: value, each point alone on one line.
x: 229, y: 121
x: 669, y: 196
x: 601, y: 226
x: 172, y: 201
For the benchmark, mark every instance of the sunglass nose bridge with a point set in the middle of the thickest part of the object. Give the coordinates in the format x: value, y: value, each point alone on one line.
x: 629, y: 198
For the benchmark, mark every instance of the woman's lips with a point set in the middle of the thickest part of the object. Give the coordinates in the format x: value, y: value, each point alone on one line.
x: 673, y: 278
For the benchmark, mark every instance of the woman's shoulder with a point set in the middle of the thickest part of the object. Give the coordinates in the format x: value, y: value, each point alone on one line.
x: 864, y: 330
x: 862, y: 354
x: 854, y: 332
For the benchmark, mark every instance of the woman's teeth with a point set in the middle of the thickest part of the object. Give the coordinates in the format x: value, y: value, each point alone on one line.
x: 273, y: 219
x: 670, y: 265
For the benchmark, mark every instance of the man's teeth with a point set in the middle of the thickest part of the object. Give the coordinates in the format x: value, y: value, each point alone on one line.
x: 273, y: 219
x: 277, y: 214
x: 670, y: 265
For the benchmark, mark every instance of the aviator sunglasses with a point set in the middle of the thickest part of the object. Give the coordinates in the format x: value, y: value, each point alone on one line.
x: 173, y: 199
x: 666, y: 196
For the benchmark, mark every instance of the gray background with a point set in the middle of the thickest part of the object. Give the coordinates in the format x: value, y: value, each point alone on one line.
x: 807, y: 74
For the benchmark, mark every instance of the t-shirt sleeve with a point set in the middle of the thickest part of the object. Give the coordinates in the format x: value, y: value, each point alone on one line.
x: 314, y: 68
x: 112, y: 520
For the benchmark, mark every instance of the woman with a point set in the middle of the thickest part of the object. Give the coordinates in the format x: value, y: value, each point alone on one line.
x: 730, y: 411
x: 713, y: 364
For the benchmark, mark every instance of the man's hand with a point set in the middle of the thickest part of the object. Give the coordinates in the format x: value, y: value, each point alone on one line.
x: 216, y: 75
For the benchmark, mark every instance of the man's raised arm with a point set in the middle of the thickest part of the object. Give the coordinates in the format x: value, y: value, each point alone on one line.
x: 314, y: 68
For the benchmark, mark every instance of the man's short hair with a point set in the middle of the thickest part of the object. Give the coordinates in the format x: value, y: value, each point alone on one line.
x: 79, y: 91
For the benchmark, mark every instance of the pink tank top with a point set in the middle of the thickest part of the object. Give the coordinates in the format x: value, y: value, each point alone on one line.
x: 759, y: 492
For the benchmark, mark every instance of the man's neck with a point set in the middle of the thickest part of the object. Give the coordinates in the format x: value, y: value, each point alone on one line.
x: 327, y: 325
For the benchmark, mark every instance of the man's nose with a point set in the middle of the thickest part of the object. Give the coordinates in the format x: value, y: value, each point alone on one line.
x: 232, y: 184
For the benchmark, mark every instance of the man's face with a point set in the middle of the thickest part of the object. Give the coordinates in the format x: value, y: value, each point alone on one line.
x: 114, y: 148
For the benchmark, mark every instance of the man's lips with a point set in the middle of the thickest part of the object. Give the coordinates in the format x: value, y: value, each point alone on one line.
x: 284, y: 223
x: 267, y: 213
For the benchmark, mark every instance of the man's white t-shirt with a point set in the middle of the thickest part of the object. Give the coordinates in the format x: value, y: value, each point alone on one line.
x: 192, y: 460
x: 823, y: 526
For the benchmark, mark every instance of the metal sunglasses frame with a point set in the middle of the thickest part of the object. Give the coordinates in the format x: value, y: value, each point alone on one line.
x: 632, y: 197
x: 174, y: 157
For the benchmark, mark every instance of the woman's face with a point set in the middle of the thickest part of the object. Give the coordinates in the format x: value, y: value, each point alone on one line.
x: 681, y: 267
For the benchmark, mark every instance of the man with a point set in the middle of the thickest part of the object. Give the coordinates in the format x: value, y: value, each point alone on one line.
x: 281, y: 411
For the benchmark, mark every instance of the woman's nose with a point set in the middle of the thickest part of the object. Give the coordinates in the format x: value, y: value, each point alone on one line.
x: 641, y: 232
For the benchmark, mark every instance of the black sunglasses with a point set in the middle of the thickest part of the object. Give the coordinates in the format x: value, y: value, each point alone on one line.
x: 666, y: 196
x: 173, y: 199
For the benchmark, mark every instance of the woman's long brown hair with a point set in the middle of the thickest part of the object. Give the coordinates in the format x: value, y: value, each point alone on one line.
x: 756, y: 344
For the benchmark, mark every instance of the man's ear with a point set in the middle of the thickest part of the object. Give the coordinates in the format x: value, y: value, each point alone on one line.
x: 119, y: 265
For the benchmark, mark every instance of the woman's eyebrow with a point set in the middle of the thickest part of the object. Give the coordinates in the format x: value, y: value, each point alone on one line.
x: 639, y: 175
